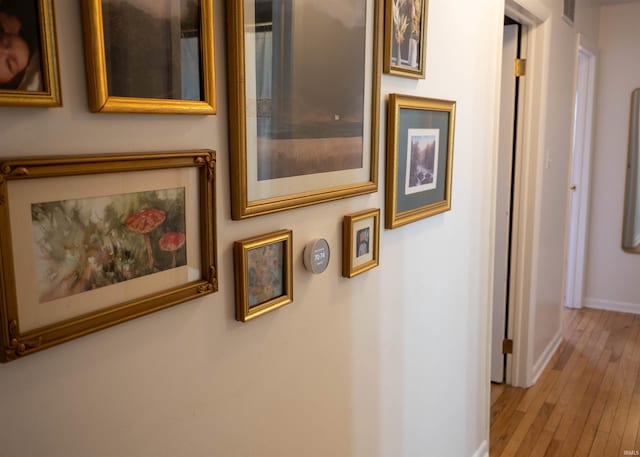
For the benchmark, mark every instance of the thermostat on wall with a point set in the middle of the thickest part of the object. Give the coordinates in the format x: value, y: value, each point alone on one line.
x: 316, y: 256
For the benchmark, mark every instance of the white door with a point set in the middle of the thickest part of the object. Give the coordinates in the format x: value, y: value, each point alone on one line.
x: 503, y: 206
x: 579, y: 181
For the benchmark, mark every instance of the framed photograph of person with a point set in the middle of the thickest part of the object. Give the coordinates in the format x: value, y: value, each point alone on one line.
x: 150, y: 56
x: 405, y: 31
x: 92, y: 241
x: 303, y: 117
x: 420, y: 134
x: 29, y: 73
x: 263, y: 274
x: 360, y: 242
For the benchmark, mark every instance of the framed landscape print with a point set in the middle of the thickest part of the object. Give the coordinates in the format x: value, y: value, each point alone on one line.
x: 29, y: 73
x: 360, y: 242
x: 150, y: 56
x: 304, y: 84
x: 264, y: 274
x: 420, y: 134
x: 405, y: 29
x: 92, y: 241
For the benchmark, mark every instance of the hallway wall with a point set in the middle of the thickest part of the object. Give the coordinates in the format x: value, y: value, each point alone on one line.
x: 390, y: 363
x: 553, y: 162
x: 612, y: 275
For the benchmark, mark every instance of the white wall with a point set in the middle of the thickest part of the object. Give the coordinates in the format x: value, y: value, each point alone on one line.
x: 612, y: 275
x: 390, y: 363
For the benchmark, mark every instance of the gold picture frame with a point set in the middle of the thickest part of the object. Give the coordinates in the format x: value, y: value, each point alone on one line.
x: 360, y: 242
x: 141, y: 226
x: 303, y: 118
x: 263, y: 274
x: 420, y: 133
x: 31, y: 24
x: 405, y: 31
x: 126, y: 75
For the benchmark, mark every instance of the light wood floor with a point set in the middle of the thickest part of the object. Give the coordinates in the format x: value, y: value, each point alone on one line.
x: 587, y: 401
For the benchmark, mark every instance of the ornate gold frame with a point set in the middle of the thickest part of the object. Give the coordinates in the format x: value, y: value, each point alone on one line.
x: 240, y: 249
x: 398, y: 102
x: 348, y: 269
x: 241, y: 206
x: 402, y: 70
x: 52, y: 95
x: 16, y: 343
x: 99, y: 98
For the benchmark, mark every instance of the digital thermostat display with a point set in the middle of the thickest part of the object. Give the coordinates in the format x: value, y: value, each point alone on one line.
x: 316, y: 256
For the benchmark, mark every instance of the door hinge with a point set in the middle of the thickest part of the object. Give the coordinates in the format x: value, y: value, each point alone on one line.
x: 507, y: 346
x: 520, y: 67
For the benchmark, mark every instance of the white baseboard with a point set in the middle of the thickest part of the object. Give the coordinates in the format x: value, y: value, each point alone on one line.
x: 482, y: 451
x: 610, y: 305
x: 546, y: 356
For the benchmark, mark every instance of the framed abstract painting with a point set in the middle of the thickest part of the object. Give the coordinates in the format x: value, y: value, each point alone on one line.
x: 264, y: 274
x: 304, y: 89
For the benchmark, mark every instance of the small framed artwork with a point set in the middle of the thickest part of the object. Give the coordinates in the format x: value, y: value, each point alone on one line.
x: 264, y: 274
x: 420, y: 134
x: 405, y: 28
x: 360, y: 242
x: 303, y: 122
x: 29, y: 73
x: 150, y: 56
x: 92, y: 241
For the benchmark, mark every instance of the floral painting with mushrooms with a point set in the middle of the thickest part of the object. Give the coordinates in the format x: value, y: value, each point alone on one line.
x: 264, y: 267
x: 89, y: 243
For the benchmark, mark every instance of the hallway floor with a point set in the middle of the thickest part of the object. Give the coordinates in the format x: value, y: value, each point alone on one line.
x: 587, y: 401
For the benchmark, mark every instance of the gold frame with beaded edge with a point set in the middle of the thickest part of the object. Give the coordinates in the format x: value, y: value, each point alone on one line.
x: 421, y: 120
x: 100, y: 100
x: 245, y: 273
x: 31, y: 323
x: 358, y: 255
x: 50, y: 94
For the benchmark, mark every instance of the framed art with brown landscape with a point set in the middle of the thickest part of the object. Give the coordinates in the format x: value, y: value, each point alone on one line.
x: 92, y: 241
x: 405, y: 29
x: 264, y: 274
x: 150, y: 56
x: 29, y: 73
x: 360, y: 242
x: 420, y: 134
x: 304, y: 83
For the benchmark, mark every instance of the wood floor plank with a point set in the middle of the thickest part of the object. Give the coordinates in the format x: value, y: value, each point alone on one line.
x: 496, y: 391
x: 580, y: 400
x: 499, y: 440
x: 628, y: 372
x: 597, y: 449
x: 585, y: 403
x: 530, y: 439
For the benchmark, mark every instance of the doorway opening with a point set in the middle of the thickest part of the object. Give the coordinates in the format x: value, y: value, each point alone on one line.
x: 578, y: 199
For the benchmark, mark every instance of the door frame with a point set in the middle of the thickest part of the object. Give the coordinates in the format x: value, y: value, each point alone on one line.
x: 536, y: 18
x: 582, y: 143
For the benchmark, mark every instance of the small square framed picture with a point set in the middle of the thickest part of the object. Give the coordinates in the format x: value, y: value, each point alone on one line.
x: 263, y: 274
x: 360, y: 242
x: 420, y: 134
